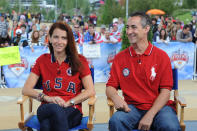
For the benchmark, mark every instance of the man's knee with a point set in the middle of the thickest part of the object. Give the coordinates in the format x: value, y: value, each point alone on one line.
x: 116, y: 118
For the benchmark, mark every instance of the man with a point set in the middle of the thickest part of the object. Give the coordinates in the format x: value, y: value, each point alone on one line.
x: 4, y: 28
x: 184, y: 35
x: 77, y: 35
x: 92, y: 36
x: 18, y: 41
x: 144, y: 74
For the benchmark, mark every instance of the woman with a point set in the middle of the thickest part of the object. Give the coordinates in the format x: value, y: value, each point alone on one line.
x: 163, y: 37
x: 34, y: 40
x: 63, y: 73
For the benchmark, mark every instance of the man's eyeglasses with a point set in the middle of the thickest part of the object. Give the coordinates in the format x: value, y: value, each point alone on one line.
x: 76, y: 27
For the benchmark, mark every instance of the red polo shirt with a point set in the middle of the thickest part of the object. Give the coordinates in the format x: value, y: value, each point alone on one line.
x: 57, y: 79
x: 141, y: 76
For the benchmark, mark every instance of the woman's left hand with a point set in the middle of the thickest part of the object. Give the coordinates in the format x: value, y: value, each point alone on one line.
x: 57, y: 100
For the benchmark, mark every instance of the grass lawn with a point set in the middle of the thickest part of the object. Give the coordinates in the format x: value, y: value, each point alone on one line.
x: 187, y: 17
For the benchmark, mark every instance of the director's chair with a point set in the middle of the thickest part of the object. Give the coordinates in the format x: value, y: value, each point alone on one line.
x: 29, y: 121
x: 178, y: 101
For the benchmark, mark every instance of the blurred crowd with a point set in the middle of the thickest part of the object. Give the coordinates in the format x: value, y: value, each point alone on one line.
x: 28, y: 29
x: 168, y: 29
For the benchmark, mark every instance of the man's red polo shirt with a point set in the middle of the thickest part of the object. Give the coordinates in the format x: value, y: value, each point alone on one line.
x: 140, y: 77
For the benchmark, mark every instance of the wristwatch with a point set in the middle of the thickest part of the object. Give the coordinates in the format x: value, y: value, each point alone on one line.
x: 72, y: 102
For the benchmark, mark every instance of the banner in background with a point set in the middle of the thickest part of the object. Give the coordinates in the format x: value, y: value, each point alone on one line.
x: 103, y: 64
x: 91, y: 50
x: 16, y: 74
x: 9, y: 55
x: 181, y: 56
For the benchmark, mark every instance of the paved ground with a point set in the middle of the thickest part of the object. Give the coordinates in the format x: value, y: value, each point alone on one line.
x: 9, y: 110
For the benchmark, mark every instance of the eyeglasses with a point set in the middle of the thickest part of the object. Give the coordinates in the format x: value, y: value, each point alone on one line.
x: 76, y: 27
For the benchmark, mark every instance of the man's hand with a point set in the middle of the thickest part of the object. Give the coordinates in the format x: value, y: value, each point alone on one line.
x: 145, y: 122
x: 120, y: 104
x: 189, y: 39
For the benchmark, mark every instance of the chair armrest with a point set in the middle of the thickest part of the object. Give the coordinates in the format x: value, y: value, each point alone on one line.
x: 181, y: 101
x: 27, y: 116
x: 91, y: 103
x: 92, y: 100
x: 22, y: 99
x: 183, y: 104
x: 110, y: 102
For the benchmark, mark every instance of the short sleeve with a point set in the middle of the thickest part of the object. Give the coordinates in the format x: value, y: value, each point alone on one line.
x: 36, y: 67
x: 113, y: 78
x: 167, y: 78
x: 84, y: 70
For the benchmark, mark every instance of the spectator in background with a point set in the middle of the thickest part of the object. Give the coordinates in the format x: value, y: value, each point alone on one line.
x: 102, y: 31
x: 33, y: 28
x: 173, y: 33
x: 193, y: 25
x: 34, y: 41
x: 157, y: 33
x: 93, y: 19
x: 154, y: 25
x: 169, y: 27
x: 92, y: 37
x: 14, y: 28
x: 184, y: 35
x: 163, y: 37
x: 109, y: 39
x: 17, y: 41
x: 24, y: 35
x: 78, y: 35
x: 41, y: 37
x: 80, y: 21
x: 4, y: 28
x: 178, y: 25
x: 195, y: 37
x: 115, y: 33
x: 120, y: 24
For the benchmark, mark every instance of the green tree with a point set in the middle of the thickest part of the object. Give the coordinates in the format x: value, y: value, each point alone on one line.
x: 110, y: 10
x: 34, y: 8
x: 143, y: 5
x: 16, y: 6
x: 4, y: 5
x: 191, y: 4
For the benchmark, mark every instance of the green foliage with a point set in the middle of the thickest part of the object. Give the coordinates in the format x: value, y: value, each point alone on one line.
x: 4, y: 5
x: 110, y: 10
x: 125, y: 40
x: 144, y: 5
x: 191, y: 4
x: 69, y: 6
x: 185, y: 16
x: 34, y: 8
x: 16, y: 6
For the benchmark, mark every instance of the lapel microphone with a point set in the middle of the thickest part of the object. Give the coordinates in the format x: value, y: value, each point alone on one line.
x: 139, y: 61
x: 58, y: 72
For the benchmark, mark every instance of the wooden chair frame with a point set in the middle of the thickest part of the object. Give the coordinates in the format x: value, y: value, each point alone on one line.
x: 178, y: 100
x: 30, y: 113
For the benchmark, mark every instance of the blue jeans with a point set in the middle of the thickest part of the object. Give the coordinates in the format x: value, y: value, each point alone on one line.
x: 53, y: 117
x: 165, y: 120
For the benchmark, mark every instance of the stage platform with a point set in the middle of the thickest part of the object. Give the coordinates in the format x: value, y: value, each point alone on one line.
x: 9, y: 110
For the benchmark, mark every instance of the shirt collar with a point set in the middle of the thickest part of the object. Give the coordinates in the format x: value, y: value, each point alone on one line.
x: 53, y: 60
x: 147, y: 52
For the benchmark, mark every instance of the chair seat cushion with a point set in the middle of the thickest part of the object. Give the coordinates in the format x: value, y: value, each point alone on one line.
x: 34, y: 123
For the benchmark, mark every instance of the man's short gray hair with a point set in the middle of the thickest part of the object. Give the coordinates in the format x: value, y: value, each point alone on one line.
x: 145, y: 19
